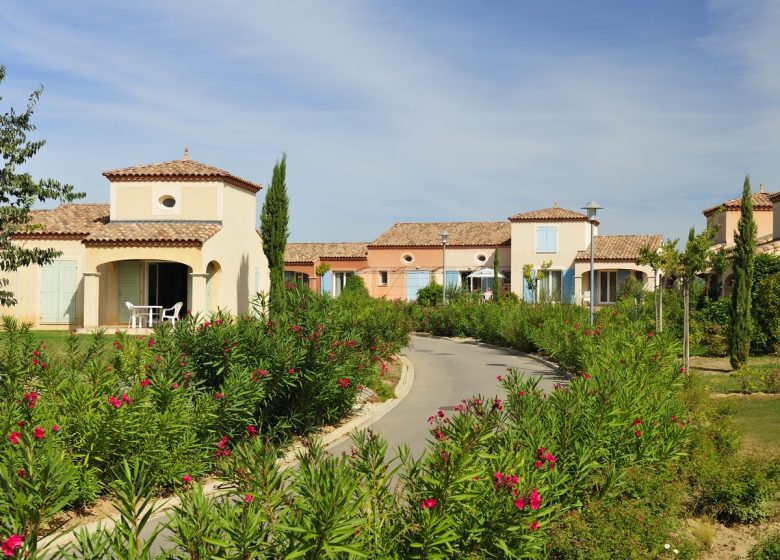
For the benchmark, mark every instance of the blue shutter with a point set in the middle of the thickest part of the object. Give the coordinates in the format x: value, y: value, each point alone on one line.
x: 129, y: 288
x: 541, y: 239
x: 415, y: 281
x: 326, y: 282
x: 58, y: 292
x: 453, y: 277
x: 528, y: 295
x: 568, y: 285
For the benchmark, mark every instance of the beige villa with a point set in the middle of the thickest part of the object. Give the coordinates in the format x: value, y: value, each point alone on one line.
x: 177, y: 231
x: 408, y: 256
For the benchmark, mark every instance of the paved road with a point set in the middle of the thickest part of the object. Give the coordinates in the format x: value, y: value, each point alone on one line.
x: 445, y: 372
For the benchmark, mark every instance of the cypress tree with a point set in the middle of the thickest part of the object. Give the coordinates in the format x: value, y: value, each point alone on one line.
x: 273, y: 229
x: 740, y: 323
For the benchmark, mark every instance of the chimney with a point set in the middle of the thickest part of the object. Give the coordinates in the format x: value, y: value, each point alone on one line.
x: 186, y: 154
x: 761, y: 188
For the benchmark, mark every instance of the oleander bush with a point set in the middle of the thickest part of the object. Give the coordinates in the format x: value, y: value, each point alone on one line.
x: 177, y: 401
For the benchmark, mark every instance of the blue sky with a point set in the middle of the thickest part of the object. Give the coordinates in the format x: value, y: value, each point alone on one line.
x: 413, y: 111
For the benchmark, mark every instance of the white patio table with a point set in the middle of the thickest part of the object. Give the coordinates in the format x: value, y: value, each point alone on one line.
x: 147, y: 310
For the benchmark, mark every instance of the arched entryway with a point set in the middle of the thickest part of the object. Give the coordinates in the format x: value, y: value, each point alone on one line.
x: 213, y: 285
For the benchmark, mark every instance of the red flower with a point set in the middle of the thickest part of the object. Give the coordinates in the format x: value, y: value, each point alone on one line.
x: 430, y: 503
x: 534, y: 525
x: 499, y: 378
x: 145, y: 382
x: 538, y: 465
x: 291, y: 371
x: 440, y: 414
x: 521, y: 393
x: 251, y: 430
x: 174, y: 386
x: 150, y: 343
x: 550, y: 458
x: 248, y: 499
x: 343, y: 382
x: 439, y: 435
x: 126, y: 399
x: 21, y: 473
x: 11, y: 544
x: 15, y: 437
x: 55, y: 428
x: 519, y: 503
x: 31, y: 397
x: 534, y: 500
x: 296, y: 328
x: 219, y: 396
x: 587, y: 376
x: 638, y: 433
x: 115, y: 402
x: 637, y: 422
x: 38, y: 432
x: 21, y: 423
x: 540, y: 453
x: 186, y: 479
x: 222, y: 442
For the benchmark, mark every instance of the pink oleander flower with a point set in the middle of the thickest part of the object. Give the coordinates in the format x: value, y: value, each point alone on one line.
x: 115, y: 402
x: 38, y: 432
x: 291, y: 371
x: 55, y: 428
x: 520, y: 393
x: 222, y: 442
x: 637, y: 422
x: 538, y: 464
x: 519, y: 503
x: 343, y: 382
x: 430, y: 503
x: 127, y: 400
x: 145, y: 382
x: 219, y: 396
x: 174, y: 386
x: 248, y: 499
x: 638, y: 433
x: 499, y: 378
x: 21, y: 473
x: 534, y: 500
x: 439, y: 435
x: 251, y: 430
x: 186, y: 479
x: 15, y: 438
x: 534, y: 525
x: 31, y: 398
x: 10, y: 545
x: 150, y: 343
x: 296, y: 328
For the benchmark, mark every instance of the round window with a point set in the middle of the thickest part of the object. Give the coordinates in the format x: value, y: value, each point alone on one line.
x: 408, y: 258
x: 481, y: 258
x: 168, y: 201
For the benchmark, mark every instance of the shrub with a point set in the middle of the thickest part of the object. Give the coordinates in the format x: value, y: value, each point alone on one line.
x: 430, y: 295
x: 750, y: 380
x: 355, y: 286
x: 768, y: 548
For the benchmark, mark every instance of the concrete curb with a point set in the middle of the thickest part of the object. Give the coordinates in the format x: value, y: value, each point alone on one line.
x: 364, y: 416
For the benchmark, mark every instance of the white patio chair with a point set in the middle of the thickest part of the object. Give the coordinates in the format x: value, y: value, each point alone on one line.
x: 173, y: 315
x: 133, y: 315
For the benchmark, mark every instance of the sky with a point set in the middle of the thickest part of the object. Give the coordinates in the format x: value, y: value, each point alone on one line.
x: 410, y: 111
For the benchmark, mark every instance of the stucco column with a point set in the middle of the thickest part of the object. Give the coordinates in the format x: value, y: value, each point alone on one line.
x: 578, y: 289
x: 91, y: 300
x: 198, y: 283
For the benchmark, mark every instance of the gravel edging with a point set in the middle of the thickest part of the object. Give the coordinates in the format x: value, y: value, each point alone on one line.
x: 365, y: 415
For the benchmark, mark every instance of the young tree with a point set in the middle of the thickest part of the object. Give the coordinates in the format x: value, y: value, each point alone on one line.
x: 532, y: 279
x: 652, y: 258
x: 274, y: 219
x: 321, y: 270
x: 496, y: 277
x: 18, y: 192
x: 744, y: 258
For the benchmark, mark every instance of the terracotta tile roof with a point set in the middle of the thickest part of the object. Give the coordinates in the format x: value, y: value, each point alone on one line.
x: 310, y: 252
x: 71, y: 220
x: 619, y: 247
x: 554, y: 214
x: 761, y: 201
x: 768, y: 245
x: 180, y: 170
x: 118, y: 233
x: 461, y: 234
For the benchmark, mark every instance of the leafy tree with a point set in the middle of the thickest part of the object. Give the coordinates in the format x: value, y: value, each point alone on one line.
x: 744, y: 257
x: 432, y: 294
x: 274, y: 219
x: 18, y: 192
x: 653, y: 259
x: 355, y: 286
x: 321, y: 270
x: 719, y: 262
x: 496, y: 277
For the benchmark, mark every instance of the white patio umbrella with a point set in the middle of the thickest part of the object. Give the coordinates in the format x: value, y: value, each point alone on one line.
x: 482, y: 273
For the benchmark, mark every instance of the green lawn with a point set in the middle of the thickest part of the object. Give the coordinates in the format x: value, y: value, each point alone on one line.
x: 57, y: 341
x: 758, y: 419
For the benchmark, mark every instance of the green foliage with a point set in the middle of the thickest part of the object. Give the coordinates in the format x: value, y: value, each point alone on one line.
x: 496, y: 277
x: 322, y: 269
x: 749, y: 379
x: 355, y: 287
x: 768, y: 548
x: 274, y: 220
x: 431, y: 295
x: 532, y: 278
x: 766, y: 311
x: 740, y: 324
x: 19, y: 191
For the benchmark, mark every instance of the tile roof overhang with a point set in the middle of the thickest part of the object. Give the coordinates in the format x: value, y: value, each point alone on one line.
x: 554, y: 214
x: 153, y: 233
x: 307, y: 253
x: 619, y: 248
x: 67, y: 221
x: 762, y: 201
x: 180, y: 170
x: 461, y: 235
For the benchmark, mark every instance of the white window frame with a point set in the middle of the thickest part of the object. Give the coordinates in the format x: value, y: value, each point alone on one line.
x: 386, y: 277
x: 610, y: 297
x: 549, y: 285
x: 536, y: 239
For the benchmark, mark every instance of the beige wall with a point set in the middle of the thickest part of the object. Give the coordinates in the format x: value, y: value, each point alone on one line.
x: 728, y: 221
x: 776, y: 220
x: 26, y: 282
x: 572, y: 237
x: 582, y: 275
x: 140, y: 200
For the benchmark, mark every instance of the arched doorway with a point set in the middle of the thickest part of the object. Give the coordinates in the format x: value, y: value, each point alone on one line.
x: 213, y: 281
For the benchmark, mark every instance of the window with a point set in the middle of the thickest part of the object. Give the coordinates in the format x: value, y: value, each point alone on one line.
x: 608, y: 286
x: 507, y: 277
x: 340, y: 282
x: 481, y: 258
x: 407, y: 258
x: 546, y: 239
x: 550, y: 286
x: 167, y: 201
x: 383, y: 278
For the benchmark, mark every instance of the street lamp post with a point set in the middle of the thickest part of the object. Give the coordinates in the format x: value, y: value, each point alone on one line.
x: 444, y: 237
x: 591, y: 207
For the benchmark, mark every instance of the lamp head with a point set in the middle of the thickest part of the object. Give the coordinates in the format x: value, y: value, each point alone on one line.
x: 591, y: 208
x: 444, y: 237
